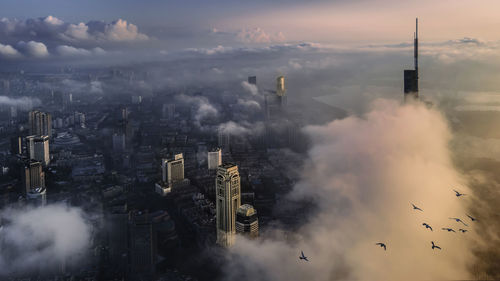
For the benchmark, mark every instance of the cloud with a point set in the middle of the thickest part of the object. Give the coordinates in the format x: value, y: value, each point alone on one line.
x: 249, y: 104
x: 4, y: 100
x: 33, y: 49
x: 241, y: 129
x: 44, y: 237
x: 117, y: 31
x: 50, y: 20
x: 202, y: 106
x: 258, y: 35
x: 251, y: 88
x: 53, y: 31
x: 362, y: 173
x: 7, y: 51
x: 69, y: 51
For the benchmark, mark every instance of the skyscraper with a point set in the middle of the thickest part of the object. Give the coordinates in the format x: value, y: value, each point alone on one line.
x: 280, y: 86
x: 33, y: 176
x: 173, y: 169
x: 40, y: 123
x: 223, y: 138
x: 119, y: 142
x: 142, y: 246
x: 168, y: 111
x: 281, y: 91
x: 37, y: 148
x: 411, y: 75
x: 227, y: 186
x: 252, y: 80
x: 37, y: 196
x: 214, y: 159
x: 247, y: 222
x: 16, y: 145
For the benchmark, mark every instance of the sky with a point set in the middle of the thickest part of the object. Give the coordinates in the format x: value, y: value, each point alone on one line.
x: 316, y: 20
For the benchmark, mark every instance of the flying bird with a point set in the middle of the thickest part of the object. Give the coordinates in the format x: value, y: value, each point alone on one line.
x: 463, y: 230
x: 458, y: 220
x: 435, y: 246
x: 427, y: 226
x: 416, y: 208
x: 302, y: 257
x: 458, y: 194
x: 448, y: 229
x: 382, y: 245
x: 471, y: 218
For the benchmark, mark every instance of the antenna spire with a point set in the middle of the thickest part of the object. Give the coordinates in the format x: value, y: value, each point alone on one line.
x: 415, y: 46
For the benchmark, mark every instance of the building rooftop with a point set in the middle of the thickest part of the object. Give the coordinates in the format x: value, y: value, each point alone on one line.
x: 246, y: 210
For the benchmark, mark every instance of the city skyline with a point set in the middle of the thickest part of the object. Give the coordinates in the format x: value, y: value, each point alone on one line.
x: 286, y: 140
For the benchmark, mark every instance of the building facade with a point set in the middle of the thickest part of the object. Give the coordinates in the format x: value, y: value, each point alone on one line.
x: 40, y: 123
x: 247, y: 222
x: 33, y: 176
x: 228, y: 200
x: 38, y: 149
x: 214, y: 159
x: 173, y: 169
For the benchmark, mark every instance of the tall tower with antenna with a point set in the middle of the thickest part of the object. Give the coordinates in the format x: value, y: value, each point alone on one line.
x: 411, y: 75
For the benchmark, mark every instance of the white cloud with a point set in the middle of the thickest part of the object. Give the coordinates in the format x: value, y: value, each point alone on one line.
x: 76, y: 32
x: 251, y: 88
x: 50, y: 20
x: 69, y: 51
x: 4, y: 100
x: 362, y: 174
x: 120, y: 30
x: 33, y: 49
x: 258, y: 35
x: 7, y: 51
x: 117, y: 31
x: 44, y: 237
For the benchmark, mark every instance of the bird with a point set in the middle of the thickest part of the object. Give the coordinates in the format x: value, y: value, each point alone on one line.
x: 458, y: 194
x: 448, y: 229
x: 427, y: 226
x: 463, y: 230
x: 435, y: 246
x: 382, y: 245
x: 458, y: 220
x: 471, y: 218
x: 416, y: 208
x: 302, y: 257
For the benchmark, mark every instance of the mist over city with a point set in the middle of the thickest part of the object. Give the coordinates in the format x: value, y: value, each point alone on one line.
x: 262, y: 140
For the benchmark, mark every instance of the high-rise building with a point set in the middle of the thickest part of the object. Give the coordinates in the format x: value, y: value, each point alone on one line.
x: 214, y: 159
x: 173, y: 169
x: 40, y: 123
x: 411, y: 75
x: 280, y: 86
x: 168, y: 111
x: 37, y: 196
x: 16, y: 145
x: 5, y: 87
x: 38, y: 148
x: 281, y: 91
x: 247, y: 222
x: 228, y: 200
x: 223, y: 138
x: 33, y: 176
x: 142, y: 246
x: 252, y: 80
x: 119, y: 142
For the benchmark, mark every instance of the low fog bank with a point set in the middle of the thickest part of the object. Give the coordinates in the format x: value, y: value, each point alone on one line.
x: 45, y: 239
x: 362, y: 174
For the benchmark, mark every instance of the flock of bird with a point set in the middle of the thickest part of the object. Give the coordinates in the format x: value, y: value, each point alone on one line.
x: 426, y: 225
